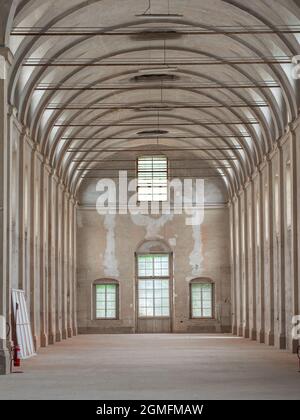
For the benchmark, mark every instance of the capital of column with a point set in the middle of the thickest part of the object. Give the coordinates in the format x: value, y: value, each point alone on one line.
x: 294, y: 124
x: 48, y: 167
x: 54, y: 176
x: 6, y: 53
x: 6, y: 59
x: 254, y: 174
x: 62, y: 186
x: 39, y: 155
x: 264, y: 163
x: 247, y: 182
x: 282, y: 140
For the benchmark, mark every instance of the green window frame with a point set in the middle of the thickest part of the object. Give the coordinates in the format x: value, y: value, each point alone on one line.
x: 153, y: 285
x: 152, y: 178
x: 106, y: 295
x: 202, y: 299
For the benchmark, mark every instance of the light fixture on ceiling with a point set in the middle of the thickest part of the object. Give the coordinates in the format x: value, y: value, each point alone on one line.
x: 158, y: 70
x: 157, y: 132
x: 155, y: 34
x: 154, y: 108
x: 160, y: 16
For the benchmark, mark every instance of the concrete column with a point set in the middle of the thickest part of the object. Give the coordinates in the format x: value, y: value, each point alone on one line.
x: 69, y: 266
x: 15, y: 187
x: 233, y: 266
x: 58, y: 271
x: 295, y: 156
x: 261, y: 259
x: 245, y: 265
x: 74, y: 267
x: 240, y: 271
x: 62, y: 260
x: 253, y: 328
x: 21, y: 213
x: 269, y: 256
x: 51, y: 209
x: 44, y: 225
x: 281, y: 336
x: 5, y: 61
x: 35, y: 292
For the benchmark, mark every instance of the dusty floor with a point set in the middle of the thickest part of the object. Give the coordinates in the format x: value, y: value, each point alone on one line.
x: 168, y: 366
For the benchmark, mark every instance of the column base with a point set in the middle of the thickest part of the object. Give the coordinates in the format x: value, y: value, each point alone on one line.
x: 261, y: 336
x: 64, y: 334
x: 70, y: 332
x: 240, y: 331
x: 270, y: 339
x: 253, y: 334
x: 5, y: 362
x: 44, y: 340
x: 36, y: 342
x: 75, y: 331
x: 58, y: 336
x: 282, y: 341
x: 51, y: 338
x: 234, y: 329
x: 246, y: 332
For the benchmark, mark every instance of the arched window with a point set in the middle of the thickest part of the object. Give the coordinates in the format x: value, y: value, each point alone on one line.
x: 201, y: 298
x: 106, y: 299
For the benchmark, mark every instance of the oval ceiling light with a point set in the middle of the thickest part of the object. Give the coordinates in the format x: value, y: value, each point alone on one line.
x: 156, y: 70
x: 160, y: 16
x: 154, y: 108
x: 156, y: 77
x: 153, y: 34
x: 152, y: 132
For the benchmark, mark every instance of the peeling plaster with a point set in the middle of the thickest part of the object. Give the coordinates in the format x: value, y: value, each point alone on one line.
x: 152, y: 225
x: 110, y: 262
x: 196, y: 257
x: 172, y: 242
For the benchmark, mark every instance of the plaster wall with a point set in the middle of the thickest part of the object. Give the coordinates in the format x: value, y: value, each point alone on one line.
x: 106, y: 246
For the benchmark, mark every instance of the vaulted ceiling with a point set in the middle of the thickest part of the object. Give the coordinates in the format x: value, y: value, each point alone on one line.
x: 98, y: 81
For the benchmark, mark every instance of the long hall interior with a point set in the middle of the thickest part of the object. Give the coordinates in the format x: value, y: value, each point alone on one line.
x: 149, y: 198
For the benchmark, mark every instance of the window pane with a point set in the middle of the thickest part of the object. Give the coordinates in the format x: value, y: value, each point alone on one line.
x: 153, y: 293
x: 142, y: 284
x: 201, y: 300
x: 151, y: 302
x: 206, y: 312
x: 165, y: 312
x: 101, y: 314
x: 152, y: 178
x: 149, y: 311
x: 197, y: 313
x: 106, y: 301
x: 110, y: 313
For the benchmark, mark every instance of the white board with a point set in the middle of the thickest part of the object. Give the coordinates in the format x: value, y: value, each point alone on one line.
x: 23, y: 329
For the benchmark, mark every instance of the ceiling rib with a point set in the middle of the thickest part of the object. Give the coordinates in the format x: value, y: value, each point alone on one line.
x: 143, y: 31
x: 88, y: 62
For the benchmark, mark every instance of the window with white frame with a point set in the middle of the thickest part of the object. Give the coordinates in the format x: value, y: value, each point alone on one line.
x: 152, y: 178
x: 153, y: 285
x: 106, y: 300
x: 201, y: 299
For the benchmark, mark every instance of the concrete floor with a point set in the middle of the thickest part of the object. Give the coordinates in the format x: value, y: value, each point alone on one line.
x: 167, y: 366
